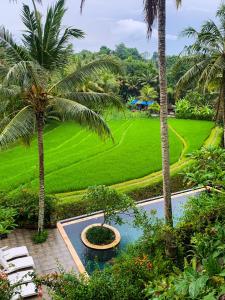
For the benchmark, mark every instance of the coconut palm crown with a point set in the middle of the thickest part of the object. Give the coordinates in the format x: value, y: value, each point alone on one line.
x: 151, y: 9
x: 208, y: 56
x: 31, y: 68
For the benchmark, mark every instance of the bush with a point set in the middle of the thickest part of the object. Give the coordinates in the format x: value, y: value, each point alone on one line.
x: 6, y: 290
x: 7, y: 220
x: 208, y: 168
x: 145, y: 271
x: 40, y: 237
x: 185, y: 110
x: 100, y: 235
x: 153, y: 109
x: 109, y: 200
x: 25, y: 202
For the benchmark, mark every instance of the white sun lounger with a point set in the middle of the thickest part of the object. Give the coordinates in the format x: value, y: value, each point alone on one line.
x: 24, y: 291
x: 12, y: 253
x: 16, y: 264
x: 22, y: 277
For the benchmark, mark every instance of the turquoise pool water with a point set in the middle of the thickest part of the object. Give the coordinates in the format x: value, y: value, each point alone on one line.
x: 129, y: 234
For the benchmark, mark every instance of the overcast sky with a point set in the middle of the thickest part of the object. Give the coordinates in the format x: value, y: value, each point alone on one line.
x: 110, y: 22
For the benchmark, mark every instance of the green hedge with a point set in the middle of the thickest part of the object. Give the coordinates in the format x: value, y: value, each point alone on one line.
x: 72, y: 207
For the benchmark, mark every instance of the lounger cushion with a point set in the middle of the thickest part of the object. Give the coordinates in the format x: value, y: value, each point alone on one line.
x: 25, y: 290
x: 19, y: 264
x: 3, y: 262
x: 22, y: 277
x: 14, y: 252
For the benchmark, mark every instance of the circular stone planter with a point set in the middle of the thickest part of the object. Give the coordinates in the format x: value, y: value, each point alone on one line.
x: 99, y: 247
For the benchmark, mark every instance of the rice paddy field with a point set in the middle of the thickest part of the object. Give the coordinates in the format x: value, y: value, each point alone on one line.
x: 76, y: 158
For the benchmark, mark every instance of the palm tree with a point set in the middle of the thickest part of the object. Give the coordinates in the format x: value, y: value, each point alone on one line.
x: 31, y: 67
x: 208, y: 54
x: 154, y: 9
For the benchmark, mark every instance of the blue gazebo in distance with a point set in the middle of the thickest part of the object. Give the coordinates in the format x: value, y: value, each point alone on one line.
x: 141, y: 104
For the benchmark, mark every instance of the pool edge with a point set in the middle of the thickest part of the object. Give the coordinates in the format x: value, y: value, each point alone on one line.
x: 71, y: 248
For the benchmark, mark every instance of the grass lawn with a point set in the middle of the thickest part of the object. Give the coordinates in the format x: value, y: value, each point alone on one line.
x: 76, y: 158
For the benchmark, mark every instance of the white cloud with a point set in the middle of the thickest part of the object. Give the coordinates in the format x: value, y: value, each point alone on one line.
x: 129, y: 27
x: 134, y: 28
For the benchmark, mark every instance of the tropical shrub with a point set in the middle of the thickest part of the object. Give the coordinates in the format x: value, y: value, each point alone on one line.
x: 148, y: 93
x: 6, y: 291
x: 109, y: 200
x: 185, y: 110
x: 7, y: 220
x: 40, y: 237
x: 25, y: 202
x: 100, y: 235
x: 208, y: 168
x: 153, y: 109
x: 145, y: 271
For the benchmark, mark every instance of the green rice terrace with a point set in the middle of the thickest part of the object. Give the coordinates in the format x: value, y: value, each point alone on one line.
x: 76, y: 158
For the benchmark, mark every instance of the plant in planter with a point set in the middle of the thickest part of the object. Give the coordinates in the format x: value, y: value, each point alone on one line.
x: 112, y: 203
x: 7, y: 221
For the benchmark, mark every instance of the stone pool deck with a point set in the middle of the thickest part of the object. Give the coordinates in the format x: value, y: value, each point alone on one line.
x: 47, y: 256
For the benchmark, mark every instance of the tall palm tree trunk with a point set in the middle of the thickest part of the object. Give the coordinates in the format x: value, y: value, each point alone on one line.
x: 40, y: 126
x: 223, y: 105
x: 164, y: 111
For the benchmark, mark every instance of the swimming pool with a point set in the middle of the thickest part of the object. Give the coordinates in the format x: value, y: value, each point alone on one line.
x: 86, y: 259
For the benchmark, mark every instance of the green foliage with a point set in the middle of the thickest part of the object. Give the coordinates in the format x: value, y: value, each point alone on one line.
x: 40, y: 237
x: 25, y: 203
x: 6, y: 290
x: 185, y: 110
x: 7, y: 220
x: 145, y: 271
x: 154, y: 108
x: 203, y: 210
x: 100, y: 235
x: 207, y: 56
x: 148, y: 93
x: 93, y: 159
x: 109, y: 201
x: 208, y: 168
x: 123, y: 52
x: 195, y: 98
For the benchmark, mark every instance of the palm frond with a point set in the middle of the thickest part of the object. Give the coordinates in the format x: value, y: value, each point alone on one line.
x: 85, y: 72
x: 221, y: 14
x: 178, y: 3
x: 211, y: 36
x: 21, y: 126
x: 95, y: 100
x: 52, y: 24
x: 217, y: 66
x: 9, y: 91
x: 191, y: 75
x: 14, y: 53
x: 30, y: 38
x: 71, y: 110
x: 47, y: 43
x: 190, y: 32
x: 82, y: 5
x: 25, y: 73
x: 151, y: 13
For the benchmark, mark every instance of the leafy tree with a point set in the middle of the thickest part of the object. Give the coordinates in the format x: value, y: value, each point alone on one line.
x: 31, y: 68
x: 123, y: 52
x: 207, y: 53
x: 148, y: 93
x: 109, y: 201
x: 105, y: 50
